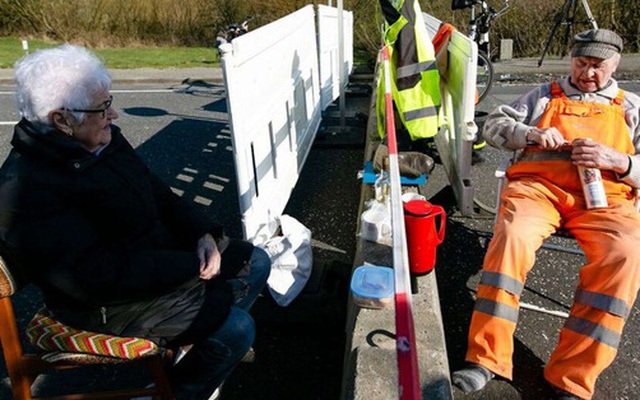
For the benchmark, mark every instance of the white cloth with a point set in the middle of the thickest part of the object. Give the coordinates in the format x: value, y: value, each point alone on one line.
x: 291, y: 258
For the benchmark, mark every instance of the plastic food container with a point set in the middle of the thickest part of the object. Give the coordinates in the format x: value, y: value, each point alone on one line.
x: 372, y: 286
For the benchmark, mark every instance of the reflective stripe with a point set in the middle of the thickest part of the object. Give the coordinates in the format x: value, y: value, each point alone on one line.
x: 603, y: 302
x: 416, y: 68
x: 502, y: 281
x: 595, y: 331
x: 497, y: 309
x: 421, y: 113
x: 544, y: 155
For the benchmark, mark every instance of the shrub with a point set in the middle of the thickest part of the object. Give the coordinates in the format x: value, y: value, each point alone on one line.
x: 116, y: 23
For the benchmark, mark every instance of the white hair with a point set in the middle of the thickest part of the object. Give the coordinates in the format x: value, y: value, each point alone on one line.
x: 62, y: 77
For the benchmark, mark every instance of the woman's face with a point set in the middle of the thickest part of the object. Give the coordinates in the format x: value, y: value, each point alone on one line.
x: 95, y: 131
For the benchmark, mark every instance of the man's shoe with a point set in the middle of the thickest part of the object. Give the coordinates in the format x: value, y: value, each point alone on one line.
x: 477, y: 157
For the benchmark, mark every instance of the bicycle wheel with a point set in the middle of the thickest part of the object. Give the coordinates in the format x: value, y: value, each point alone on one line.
x: 484, y: 75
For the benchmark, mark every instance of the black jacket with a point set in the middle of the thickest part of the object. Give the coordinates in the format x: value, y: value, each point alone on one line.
x: 94, y: 230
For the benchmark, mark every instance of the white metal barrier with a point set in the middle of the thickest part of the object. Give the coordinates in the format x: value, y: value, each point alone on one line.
x: 328, y: 48
x: 271, y: 76
x: 455, y: 138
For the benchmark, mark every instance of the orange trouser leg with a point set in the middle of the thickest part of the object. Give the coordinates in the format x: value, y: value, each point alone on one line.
x: 607, y: 289
x: 526, y: 217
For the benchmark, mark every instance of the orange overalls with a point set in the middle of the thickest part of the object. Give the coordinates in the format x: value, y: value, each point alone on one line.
x: 541, y: 195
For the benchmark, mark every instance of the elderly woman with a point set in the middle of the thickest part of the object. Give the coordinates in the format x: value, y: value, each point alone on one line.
x: 111, y: 247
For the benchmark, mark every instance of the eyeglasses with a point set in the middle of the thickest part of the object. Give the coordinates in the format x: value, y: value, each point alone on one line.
x: 103, y: 109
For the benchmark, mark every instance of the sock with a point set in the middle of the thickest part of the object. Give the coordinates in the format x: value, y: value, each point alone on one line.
x: 471, y: 378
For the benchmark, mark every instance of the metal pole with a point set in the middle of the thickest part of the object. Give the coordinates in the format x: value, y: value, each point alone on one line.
x: 592, y: 20
x: 341, y: 63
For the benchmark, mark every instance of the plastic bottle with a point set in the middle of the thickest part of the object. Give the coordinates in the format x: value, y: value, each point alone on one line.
x: 382, y: 188
x: 592, y: 187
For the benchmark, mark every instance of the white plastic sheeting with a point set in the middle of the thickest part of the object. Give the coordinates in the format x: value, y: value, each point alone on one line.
x: 328, y: 48
x: 455, y: 138
x: 273, y: 97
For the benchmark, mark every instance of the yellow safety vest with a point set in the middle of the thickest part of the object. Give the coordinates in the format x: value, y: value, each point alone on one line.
x: 415, y: 85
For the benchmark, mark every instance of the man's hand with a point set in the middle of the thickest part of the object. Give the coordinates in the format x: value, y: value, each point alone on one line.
x: 546, y: 138
x: 591, y: 154
x: 209, y: 257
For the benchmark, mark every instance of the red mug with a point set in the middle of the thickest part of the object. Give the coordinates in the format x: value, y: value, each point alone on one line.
x: 423, y: 237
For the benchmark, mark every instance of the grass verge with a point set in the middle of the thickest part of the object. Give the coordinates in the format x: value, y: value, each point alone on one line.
x: 122, y: 58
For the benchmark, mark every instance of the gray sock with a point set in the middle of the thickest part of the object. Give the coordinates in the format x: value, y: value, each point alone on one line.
x: 471, y: 378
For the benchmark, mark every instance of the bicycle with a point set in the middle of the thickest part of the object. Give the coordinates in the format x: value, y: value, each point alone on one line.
x: 479, y: 25
x: 232, y: 31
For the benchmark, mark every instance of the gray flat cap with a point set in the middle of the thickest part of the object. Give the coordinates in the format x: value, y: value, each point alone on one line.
x: 598, y: 43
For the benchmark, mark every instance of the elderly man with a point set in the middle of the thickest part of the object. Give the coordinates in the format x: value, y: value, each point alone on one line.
x: 582, y: 120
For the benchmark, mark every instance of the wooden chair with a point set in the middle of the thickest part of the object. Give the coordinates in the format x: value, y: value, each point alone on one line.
x: 58, y: 350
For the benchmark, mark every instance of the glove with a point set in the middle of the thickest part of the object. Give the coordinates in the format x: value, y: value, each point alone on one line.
x: 412, y: 164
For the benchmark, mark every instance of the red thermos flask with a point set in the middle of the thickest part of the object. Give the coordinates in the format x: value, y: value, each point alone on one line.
x: 420, y: 219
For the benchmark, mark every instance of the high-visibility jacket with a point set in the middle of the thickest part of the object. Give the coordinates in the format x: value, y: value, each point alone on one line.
x: 544, y: 191
x: 415, y: 85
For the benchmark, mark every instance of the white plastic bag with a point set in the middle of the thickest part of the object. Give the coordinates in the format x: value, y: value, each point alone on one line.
x: 291, y: 259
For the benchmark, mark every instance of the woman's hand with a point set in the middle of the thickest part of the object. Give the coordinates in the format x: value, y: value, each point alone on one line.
x: 209, y: 257
x: 591, y: 154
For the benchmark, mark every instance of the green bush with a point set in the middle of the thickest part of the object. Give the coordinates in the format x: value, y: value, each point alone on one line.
x: 115, y: 23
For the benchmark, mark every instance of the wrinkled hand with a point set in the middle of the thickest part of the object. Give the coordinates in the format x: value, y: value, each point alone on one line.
x: 591, y: 154
x: 209, y: 257
x: 546, y: 138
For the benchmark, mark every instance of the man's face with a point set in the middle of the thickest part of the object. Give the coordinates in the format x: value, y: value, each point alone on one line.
x: 591, y: 74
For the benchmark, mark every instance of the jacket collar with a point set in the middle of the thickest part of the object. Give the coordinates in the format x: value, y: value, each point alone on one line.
x: 43, y: 141
x: 610, y: 91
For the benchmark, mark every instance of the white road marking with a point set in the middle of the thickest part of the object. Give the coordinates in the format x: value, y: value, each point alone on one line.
x: 9, y: 92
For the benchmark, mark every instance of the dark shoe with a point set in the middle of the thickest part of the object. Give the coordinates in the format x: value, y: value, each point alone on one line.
x: 476, y: 157
x: 562, y: 395
x: 250, y: 356
x: 215, y: 395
